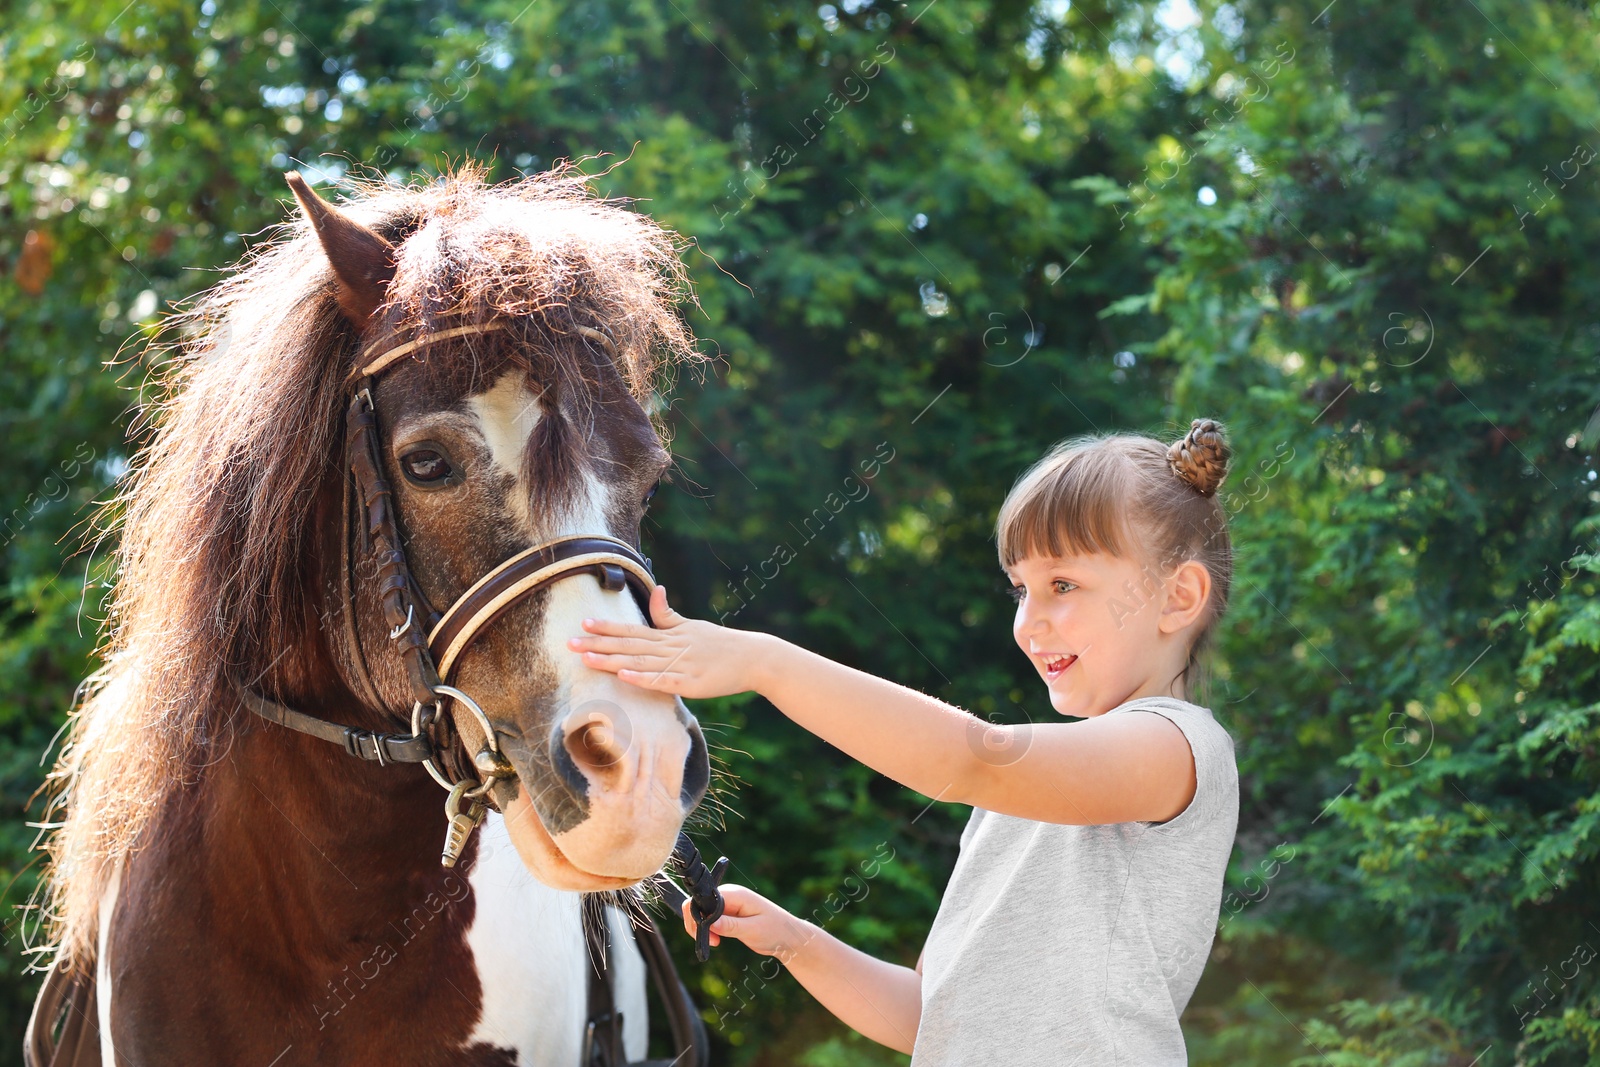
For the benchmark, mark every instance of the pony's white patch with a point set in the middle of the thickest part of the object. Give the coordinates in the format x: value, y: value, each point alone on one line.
x: 526, y: 938
x: 102, y: 966
x: 650, y: 716
x: 528, y: 948
x: 507, y: 414
x: 527, y: 944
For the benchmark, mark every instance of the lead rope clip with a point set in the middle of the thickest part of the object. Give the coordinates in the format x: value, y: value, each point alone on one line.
x: 462, y: 823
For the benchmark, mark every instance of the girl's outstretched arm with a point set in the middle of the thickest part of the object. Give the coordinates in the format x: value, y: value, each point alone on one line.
x: 1130, y: 767
x: 878, y: 1000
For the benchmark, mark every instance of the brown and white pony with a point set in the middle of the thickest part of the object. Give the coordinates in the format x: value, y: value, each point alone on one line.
x: 246, y: 894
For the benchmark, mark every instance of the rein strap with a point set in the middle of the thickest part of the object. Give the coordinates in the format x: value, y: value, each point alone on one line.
x: 382, y: 749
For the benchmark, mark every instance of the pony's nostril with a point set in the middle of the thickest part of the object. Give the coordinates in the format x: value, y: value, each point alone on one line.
x: 696, y: 769
x: 594, y: 745
x: 591, y: 745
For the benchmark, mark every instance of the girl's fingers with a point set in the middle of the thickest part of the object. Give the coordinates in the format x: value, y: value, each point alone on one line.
x: 616, y: 662
x: 731, y: 926
x: 613, y: 645
x: 660, y: 681
x: 596, y: 662
x: 664, y: 616
x: 616, y: 628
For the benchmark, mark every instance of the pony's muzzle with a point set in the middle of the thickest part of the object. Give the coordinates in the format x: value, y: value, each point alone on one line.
x: 634, y: 775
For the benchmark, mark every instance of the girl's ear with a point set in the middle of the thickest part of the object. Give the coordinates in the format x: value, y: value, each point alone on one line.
x: 363, y: 262
x: 1188, y: 592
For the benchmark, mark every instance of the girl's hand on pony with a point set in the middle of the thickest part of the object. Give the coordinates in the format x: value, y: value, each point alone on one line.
x: 688, y: 657
x: 751, y: 918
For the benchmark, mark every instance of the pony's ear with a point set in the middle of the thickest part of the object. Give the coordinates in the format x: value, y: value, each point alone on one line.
x: 363, y: 262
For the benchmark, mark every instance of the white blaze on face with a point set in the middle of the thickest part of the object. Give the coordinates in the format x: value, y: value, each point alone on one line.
x: 634, y: 802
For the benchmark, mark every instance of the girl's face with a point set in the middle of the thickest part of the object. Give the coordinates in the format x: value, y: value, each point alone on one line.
x: 1101, y: 630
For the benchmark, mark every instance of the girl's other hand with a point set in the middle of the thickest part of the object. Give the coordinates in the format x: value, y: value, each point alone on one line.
x: 751, y: 918
x: 688, y: 657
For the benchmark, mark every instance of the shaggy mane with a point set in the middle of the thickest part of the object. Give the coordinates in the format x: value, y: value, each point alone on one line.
x: 215, y: 517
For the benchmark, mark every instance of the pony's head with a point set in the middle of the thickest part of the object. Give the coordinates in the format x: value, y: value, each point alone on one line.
x: 236, y: 559
x: 522, y: 424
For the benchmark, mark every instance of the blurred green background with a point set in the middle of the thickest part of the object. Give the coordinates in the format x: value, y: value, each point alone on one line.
x: 951, y: 233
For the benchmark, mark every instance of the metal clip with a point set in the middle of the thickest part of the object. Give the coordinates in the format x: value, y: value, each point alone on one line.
x: 462, y: 823
x: 394, y: 634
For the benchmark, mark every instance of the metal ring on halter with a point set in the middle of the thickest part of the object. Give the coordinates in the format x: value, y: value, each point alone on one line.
x: 483, y: 720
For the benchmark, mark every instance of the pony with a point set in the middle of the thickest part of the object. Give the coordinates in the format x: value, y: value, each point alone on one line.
x: 222, y: 889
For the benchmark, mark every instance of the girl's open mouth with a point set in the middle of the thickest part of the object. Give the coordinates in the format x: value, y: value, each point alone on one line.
x: 1056, y: 666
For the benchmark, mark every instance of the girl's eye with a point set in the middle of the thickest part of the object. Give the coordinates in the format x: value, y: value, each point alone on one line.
x: 1061, y: 585
x: 427, y: 468
x: 1017, y: 593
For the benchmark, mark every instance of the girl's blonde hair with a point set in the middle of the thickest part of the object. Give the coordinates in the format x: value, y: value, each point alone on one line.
x: 1132, y: 497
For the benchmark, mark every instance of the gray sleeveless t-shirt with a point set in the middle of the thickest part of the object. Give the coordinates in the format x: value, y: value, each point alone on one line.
x: 1059, y: 945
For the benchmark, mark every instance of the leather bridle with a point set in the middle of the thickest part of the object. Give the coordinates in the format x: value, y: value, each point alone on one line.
x: 430, y: 644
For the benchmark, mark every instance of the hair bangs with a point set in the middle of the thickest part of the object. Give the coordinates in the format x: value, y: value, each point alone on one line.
x: 1070, y: 503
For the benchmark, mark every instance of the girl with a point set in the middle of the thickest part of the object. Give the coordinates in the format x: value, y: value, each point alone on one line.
x: 1085, y: 897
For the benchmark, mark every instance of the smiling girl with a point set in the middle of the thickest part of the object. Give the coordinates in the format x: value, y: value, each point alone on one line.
x: 1085, y: 898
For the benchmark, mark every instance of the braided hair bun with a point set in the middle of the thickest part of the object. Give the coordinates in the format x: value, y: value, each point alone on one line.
x: 1200, y: 458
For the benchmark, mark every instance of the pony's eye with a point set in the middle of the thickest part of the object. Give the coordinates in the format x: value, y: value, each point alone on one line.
x: 650, y: 495
x: 427, y: 467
